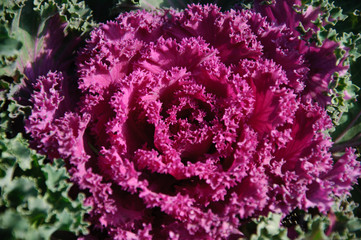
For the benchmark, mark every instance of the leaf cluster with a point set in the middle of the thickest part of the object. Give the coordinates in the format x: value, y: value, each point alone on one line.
x: 340, y: 224
x: 24, y: 23
x: 36, y: 196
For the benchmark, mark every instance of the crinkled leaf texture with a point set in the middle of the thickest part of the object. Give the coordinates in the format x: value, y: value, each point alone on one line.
x: 340, y: 223
x: 34, y: 195
x: 190, y: 122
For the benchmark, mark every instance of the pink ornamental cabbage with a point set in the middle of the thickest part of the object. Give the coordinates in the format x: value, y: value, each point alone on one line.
x: 190, y: 122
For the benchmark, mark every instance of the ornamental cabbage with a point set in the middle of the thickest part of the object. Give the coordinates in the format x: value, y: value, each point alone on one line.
x: 184, y: 124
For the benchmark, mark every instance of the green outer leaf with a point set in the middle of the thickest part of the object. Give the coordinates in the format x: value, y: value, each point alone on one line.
x: 24, y: 24
x: 348, y: 131
x: 269, y: 227
x: 18, y: 150
x: 38, y: 205
x: 9, y: 47
x: 343, y: 87
x: 154, y: 4
x: 175, y: 4
x: 345, y: 121
x: 35, y: 201
x: 315, y: 226
x: 352, y: 9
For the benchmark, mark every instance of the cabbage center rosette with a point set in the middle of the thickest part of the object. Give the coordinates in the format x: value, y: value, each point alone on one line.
x: 189, y: 122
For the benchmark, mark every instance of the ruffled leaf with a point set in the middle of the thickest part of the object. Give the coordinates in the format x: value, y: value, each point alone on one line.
x: 33, y: 199
x: 34, y: 193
